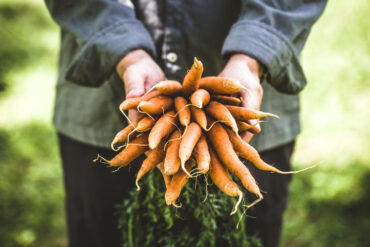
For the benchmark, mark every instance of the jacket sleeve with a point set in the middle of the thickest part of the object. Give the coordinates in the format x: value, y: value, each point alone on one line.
x: 105, y: 31
x: 274, y: 32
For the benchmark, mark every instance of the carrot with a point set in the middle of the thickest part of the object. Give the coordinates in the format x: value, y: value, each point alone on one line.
x: 243, y: 126
x: 227, y: 100
x: 191, y: 80
x: 248, y: 152
x: 199, y: 116
x: 155, y: 156
x: 183, y: 110
x: 163, y: 127
x: 132, y: 103
x: 200, y: 98
x: 221, y: 85
x: 123, y: 135
x: 177, y: 183
x: 167, y: 179
x: 156, y: 105
x: 222, y: 145
x: 243, y: 113
x: 132, y: 151
x: 172, y: 160
x: 201, y: 154
x: 145, y: 124
x: 221, y: 113
x: 188, y: 142
x: 222, y: 179
x: 169, y: 87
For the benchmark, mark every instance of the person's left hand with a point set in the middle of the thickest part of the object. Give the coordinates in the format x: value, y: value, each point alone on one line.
x: 247, y: 71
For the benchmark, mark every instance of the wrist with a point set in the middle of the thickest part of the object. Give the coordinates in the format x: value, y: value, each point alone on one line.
x: 130, y: 58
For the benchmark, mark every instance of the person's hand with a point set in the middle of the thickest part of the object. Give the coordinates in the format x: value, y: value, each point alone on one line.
x: 247, y: 71
x: 139, y: 73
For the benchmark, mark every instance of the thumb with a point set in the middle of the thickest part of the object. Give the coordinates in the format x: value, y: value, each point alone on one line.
x: 134, y: 84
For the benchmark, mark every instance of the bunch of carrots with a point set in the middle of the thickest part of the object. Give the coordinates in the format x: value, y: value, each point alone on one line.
x: 190, y: 129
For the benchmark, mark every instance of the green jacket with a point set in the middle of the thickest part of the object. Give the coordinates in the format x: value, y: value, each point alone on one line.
x: 96, y: 34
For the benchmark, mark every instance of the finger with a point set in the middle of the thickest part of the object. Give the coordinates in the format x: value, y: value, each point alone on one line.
x: 151, y: 81
x: 250, y: 100
x: 134, y: 84
x: 132, y: 114
x: 256, y: 128
x: 246, y: 136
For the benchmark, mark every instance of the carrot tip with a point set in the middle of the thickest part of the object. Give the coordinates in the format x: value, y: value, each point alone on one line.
x: 176, y: 206
x: 114, y: 148
x: 137, y: 185
x: 102, y: 160
x: 197, y: 63
x: 298, y: 171
x: 184, y: 169
x: 237, y: 203
x: 117, y: 169
x: 260, y: 197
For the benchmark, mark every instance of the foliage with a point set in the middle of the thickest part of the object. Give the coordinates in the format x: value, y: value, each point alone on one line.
x: 18, y: 23
x: 30, y: 188
x: 146, y: 220
x: 330, y: 207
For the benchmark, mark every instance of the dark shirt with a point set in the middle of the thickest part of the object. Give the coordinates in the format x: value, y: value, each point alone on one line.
x: 96, y: 34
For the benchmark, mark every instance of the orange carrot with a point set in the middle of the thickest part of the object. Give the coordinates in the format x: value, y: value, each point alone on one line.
x: 132, y: 103
x: 226, y: 100
x: 222, y: 145
x: 132, y: 151
x: 155, y: 156
x: 200, y: 98
x: 221, y: 113
x: 123, y: 135
x: 243, y: 113
x: 199, y: 116
x: 243, y: 126
x: 220, y: 85
x: 222, y: 179
x: 169, y: 87
x: 191, y: 80
x: 183, y: 110
x: 248, y: 152
x: 177, y: 183
x: 172, y: 161
x: 145, y: 124
x: 188, y: 142
x: 163, y: 127
x: 167, y: 179
x: 201, y: 154
x: 156, y: 105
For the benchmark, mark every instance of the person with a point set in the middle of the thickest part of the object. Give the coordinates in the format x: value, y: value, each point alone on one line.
x: 141, y: 42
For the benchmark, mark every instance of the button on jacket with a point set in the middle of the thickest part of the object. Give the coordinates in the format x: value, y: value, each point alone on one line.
x: 96, y: 34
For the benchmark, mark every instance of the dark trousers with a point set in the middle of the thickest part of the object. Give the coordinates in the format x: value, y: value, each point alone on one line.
x: 92, y: 192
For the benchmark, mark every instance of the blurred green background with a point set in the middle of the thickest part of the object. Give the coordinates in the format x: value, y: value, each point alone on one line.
x: 329, y: 205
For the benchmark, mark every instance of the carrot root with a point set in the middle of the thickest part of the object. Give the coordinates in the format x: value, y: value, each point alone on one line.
x: 237, y: 203
x: 176, y: 205
x: 297, y: 171
x: 184, y: 169
x: 101, y: 159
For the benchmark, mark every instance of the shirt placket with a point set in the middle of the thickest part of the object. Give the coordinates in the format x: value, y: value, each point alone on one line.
x: 173, y: 49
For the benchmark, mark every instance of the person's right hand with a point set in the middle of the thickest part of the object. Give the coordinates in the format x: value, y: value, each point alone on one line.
x: 139, y: 73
